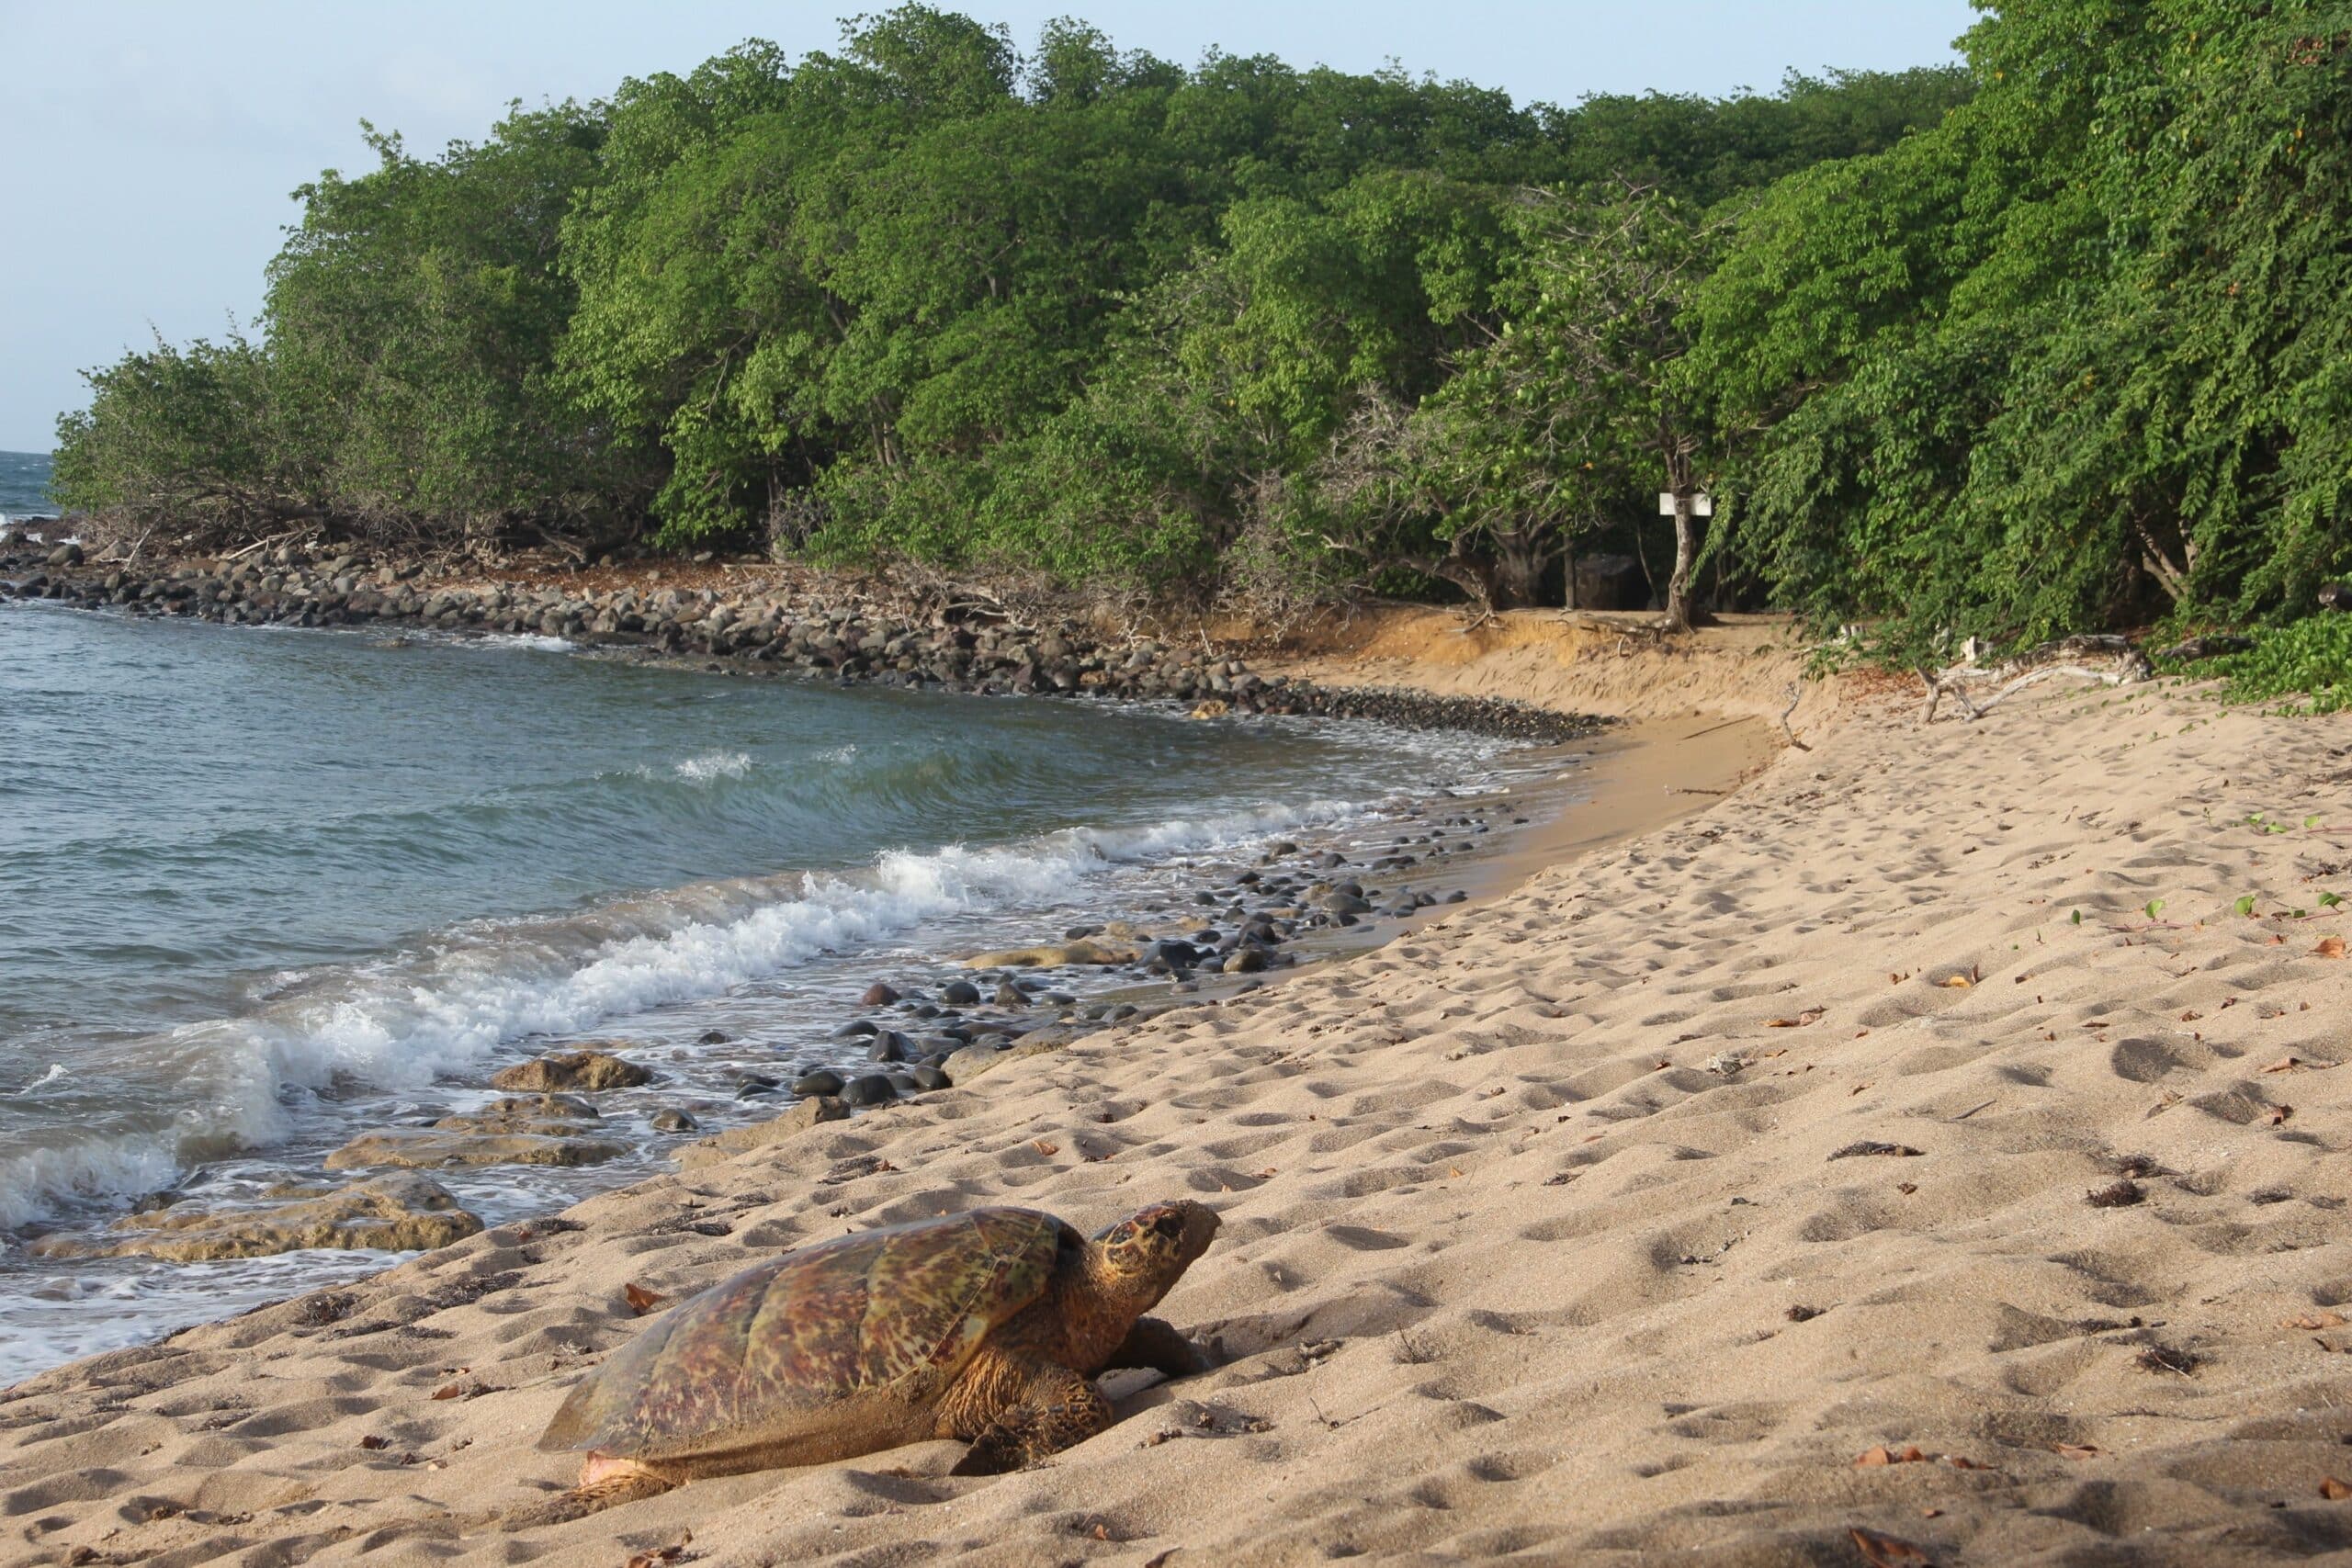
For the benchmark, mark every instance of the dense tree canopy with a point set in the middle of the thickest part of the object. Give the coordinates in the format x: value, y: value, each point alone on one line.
x: 2076, y: 354
x: 1082, y: 311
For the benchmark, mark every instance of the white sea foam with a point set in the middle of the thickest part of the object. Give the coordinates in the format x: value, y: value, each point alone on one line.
x: 530, y: 642
x: 33, y: 1183
x: 714, y: 765
x: 403, y: 1023
x: 56, y: 1071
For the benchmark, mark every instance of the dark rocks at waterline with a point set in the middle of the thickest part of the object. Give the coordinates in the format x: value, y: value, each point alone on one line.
x: 670, y: 1119
x: 877, y: 995
x: 756, y: 627
x: 959, y: 993
x: 822, y: 1082
x: 869, y: 1088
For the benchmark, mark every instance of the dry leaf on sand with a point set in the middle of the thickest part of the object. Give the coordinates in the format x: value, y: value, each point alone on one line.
x: 2335, y: 1491
x: 2081, y: 1451
x: 640, y: 1299
x: 1882, y: 1454
x: 2316, y: 1320
x: 1888, y: 1551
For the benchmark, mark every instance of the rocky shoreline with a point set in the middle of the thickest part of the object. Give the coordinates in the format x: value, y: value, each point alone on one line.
x: 1223, y: 934
x: 751, y: 624
x: 901, y: 1043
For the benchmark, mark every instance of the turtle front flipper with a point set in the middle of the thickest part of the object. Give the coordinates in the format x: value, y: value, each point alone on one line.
x: 1157, y: 1345
x: 1055, y: 1409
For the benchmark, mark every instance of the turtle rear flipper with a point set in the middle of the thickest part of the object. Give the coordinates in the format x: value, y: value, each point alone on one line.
x: 1058, y: 1409
x: 606, y: 1492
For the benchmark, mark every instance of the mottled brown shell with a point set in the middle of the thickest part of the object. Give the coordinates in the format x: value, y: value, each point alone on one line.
x: 895, y: 1313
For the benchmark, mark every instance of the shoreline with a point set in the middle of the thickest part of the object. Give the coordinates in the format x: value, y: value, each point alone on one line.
x: 746, y: 620
x: 266, y: 1224
x: 1793, y: 1164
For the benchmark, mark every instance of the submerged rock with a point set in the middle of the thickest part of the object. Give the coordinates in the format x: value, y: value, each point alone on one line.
x: 590, y: 1070
x: 397, y: 1213
x: 549, y: 1115
x: 468, y: 1145
x: 1084, y: 951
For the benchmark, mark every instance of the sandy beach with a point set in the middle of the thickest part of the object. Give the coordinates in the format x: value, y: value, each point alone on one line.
x: 1913, y: 1138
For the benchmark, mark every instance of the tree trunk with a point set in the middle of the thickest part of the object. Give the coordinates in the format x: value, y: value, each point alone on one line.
x: 1686, y: 551
x: 1516, y: 578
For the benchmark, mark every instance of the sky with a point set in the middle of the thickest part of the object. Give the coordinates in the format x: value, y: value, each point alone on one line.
x: 148, y: 148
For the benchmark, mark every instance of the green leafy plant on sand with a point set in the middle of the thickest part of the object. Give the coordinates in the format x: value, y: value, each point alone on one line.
x: 2305, y: 668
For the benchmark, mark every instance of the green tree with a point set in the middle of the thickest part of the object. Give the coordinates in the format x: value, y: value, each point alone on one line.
x: 411, y: 319
x: 1578, y: 401
x: 181, y: 438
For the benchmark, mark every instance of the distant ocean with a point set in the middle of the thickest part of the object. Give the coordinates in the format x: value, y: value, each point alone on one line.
x: 24, y: 486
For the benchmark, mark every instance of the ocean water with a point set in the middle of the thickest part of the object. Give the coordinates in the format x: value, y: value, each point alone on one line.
x: 24, y: 486
x: 260, y: 890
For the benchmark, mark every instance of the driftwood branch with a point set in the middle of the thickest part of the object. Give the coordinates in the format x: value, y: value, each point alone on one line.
x: 1796, y: 692
x: 2131, y: 666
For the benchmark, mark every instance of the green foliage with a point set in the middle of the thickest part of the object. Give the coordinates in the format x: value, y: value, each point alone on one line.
x: 1077, y: 311
x: 180, y: 435
x: 2302, y: 667
x: 2074, y: 357
x: 411, y: 318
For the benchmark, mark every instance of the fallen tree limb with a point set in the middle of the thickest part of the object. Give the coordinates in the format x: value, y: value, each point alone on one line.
x: 2132, y: 666
x: 1796, y: 692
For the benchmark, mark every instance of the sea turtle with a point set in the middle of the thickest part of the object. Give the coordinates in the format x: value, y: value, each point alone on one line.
x: 987, y: 1326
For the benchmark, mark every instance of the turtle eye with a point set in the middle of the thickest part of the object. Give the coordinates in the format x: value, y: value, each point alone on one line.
x: 1169, y: 1225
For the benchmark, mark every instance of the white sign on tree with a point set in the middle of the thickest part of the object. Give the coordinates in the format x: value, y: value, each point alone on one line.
x: 1702, y: 503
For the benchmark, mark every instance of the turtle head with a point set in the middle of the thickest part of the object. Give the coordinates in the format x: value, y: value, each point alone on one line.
x: 1145, y: 1252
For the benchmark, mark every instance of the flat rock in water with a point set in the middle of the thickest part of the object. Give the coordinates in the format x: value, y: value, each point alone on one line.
x: 1052, y: 956
x: 759, y: 1134
x: 467, y: 1144
x: 543, y: 1115
x: 590, y: 1070
x: 397, y: 1213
